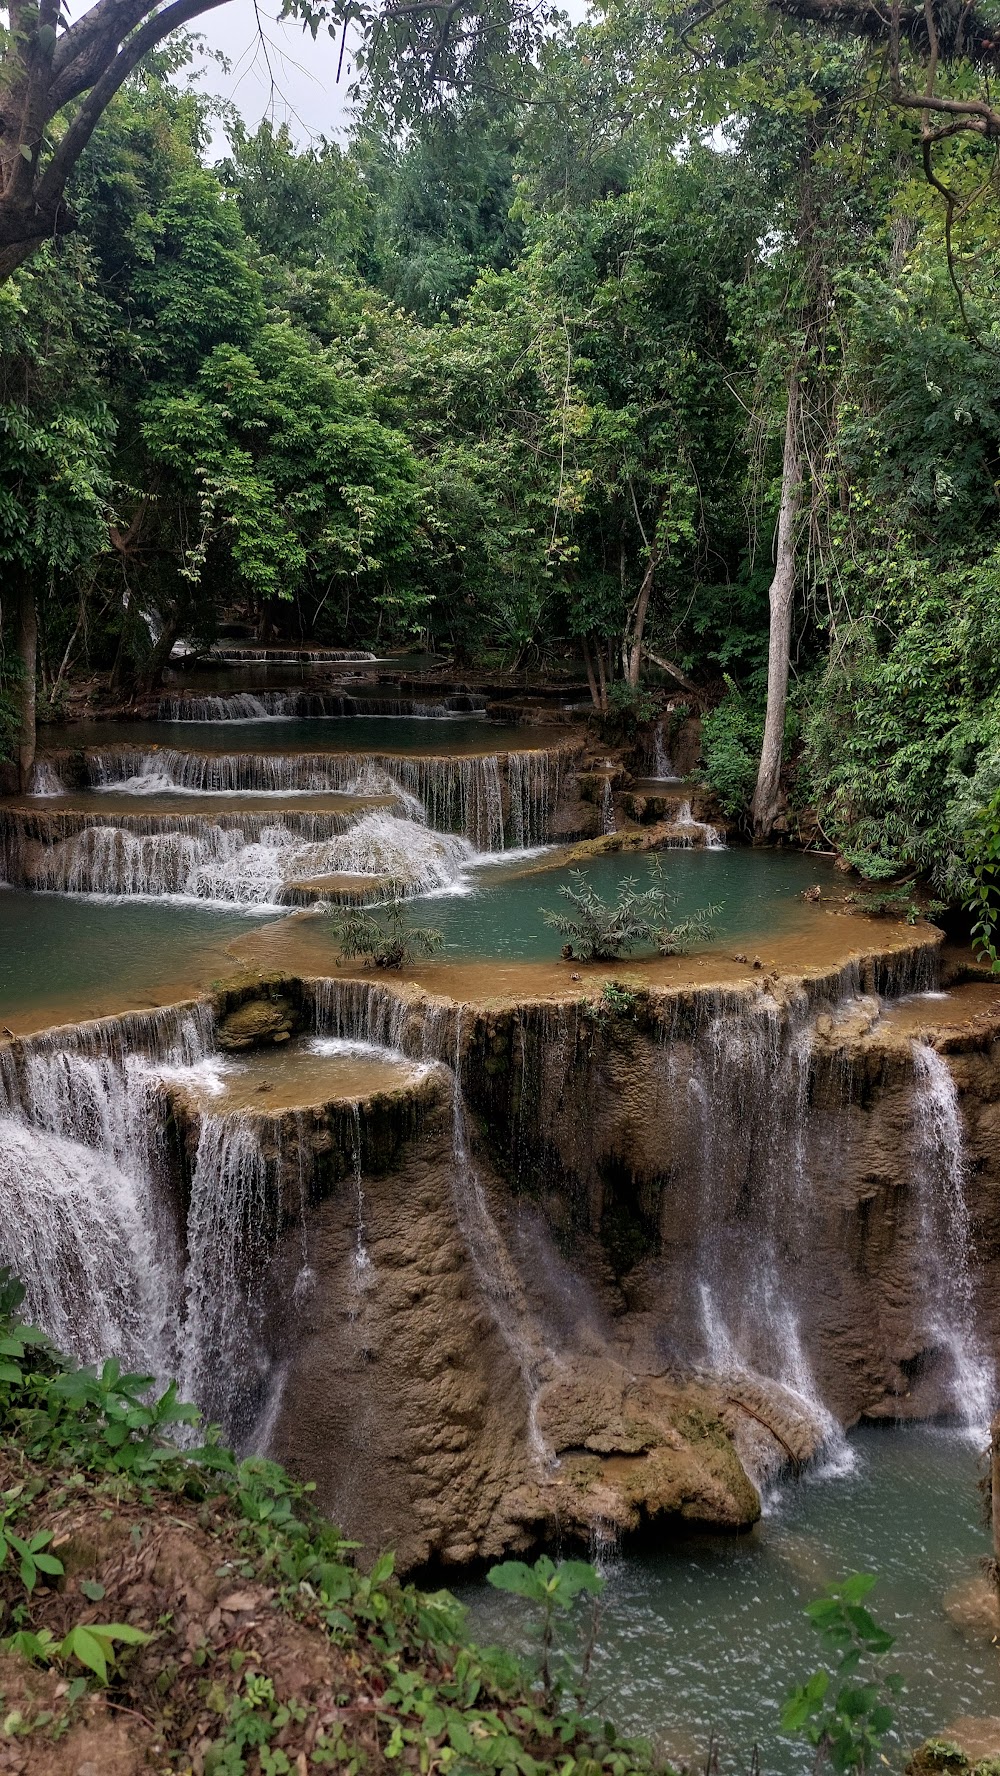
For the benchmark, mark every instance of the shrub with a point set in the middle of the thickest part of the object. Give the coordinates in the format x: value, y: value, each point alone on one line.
x: 382, y: 937
x: 731, y: 738
x: 602, y: 931
x: 844, y: 1717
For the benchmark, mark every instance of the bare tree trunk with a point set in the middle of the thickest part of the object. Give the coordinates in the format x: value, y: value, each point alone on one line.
x: 27, y: 648
x: 591, y: 680
x: 766, y: 797
x: 152, y: 671
x: 634, y: 655
x: 603, y: 704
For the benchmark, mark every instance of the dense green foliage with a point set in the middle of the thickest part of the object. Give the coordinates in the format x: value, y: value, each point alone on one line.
x: 512, y: 381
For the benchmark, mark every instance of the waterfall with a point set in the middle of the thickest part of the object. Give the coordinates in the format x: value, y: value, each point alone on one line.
x: 363, y: 1270
x: 254, y: 860
x: 231, y: 1236
x: 698, y: 832
x: 457, y: 794
x: 368, y: 1012
x: 45, y: 781
x: 289, y: 656
x: 662, y: 763
x: 943, y: 1269
x: 495, y: 1272
x: 533, y: 782
x: 608, y: 823
x: 748, y: 1094
x: 413, y: 1024
x: 251, y: 706
x: 83, y: 1217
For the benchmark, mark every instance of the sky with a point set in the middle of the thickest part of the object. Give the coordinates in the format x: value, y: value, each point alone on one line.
x: 276, y: 71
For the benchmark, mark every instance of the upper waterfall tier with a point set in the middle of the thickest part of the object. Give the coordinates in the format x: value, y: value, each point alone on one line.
x: 494, y: 799
x: 299, y: 705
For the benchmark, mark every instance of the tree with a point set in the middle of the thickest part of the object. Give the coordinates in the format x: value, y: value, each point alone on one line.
x: 47, y: 65
x: 767, y: 795
x: 55, y: 441
x: 57, y: 79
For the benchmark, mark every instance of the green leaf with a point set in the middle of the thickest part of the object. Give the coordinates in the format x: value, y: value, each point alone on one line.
x: 521, y: 1580
x: 84, y: 1646
x: 383, y: 1568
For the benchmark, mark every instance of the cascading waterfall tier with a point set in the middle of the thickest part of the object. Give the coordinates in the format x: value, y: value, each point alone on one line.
x: 493, y: 799
x: 85, y: 1161
x: 148, y: 1226
x: 944, y: 1247
x: 280, y: 656
x: 312, y: 705
x: 253, y: 859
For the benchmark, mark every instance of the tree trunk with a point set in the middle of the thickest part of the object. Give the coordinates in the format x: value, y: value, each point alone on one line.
x: 766, y: 804
x: 591, y: 680
x: 634, y: 661
x: 152, y: 671
x: 27, y: 648
x: 602, y: 676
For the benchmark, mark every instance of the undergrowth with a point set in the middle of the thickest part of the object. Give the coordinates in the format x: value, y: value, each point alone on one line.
x: 297, y: 1661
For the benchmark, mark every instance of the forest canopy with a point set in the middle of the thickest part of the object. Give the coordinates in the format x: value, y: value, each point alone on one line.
x: 592, y: 347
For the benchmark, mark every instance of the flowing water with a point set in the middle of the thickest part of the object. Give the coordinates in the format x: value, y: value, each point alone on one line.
x: 93, y: 1222
x: 153, y: 1193
x: 946, y: 1253
x: 709, y: 1636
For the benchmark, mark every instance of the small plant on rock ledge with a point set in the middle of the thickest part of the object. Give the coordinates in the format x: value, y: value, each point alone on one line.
x: 382, y: 937
x: 601, y: 931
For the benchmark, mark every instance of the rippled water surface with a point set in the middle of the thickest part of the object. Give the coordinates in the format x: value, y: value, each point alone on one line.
x: 711, y: 1636
x: 66, y: 955
x: 502, y: 913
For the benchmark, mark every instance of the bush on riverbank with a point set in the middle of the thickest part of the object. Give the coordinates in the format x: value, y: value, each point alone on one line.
x: 233, y: 1627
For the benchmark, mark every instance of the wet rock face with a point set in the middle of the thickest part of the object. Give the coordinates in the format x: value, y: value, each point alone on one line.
x: 422, y: 1399
x: 639, y: 1262
x: 257, y: 1023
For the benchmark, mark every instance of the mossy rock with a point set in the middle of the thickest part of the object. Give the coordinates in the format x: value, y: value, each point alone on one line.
x: 257, y: 1023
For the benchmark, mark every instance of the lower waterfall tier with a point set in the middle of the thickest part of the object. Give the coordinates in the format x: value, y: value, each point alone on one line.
x: 490, y: 1275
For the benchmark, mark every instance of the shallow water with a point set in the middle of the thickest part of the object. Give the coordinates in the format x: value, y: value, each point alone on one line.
x: 500, y: 913
x: 67, y: 956
x: 710, y: 1636
x: 458, y: 737
x: 297, y: 1074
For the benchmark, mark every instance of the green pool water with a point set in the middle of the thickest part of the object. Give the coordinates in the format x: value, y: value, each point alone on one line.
x: 72, y: 956
x: 710, y: 1636
x: 456, y: 737
x: 501, y: 914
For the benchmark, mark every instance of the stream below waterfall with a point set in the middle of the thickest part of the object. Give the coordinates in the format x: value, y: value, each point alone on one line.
x: 709, y: 1636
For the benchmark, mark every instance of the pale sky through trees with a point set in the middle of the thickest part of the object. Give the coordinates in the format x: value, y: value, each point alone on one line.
x: 305, y: 92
